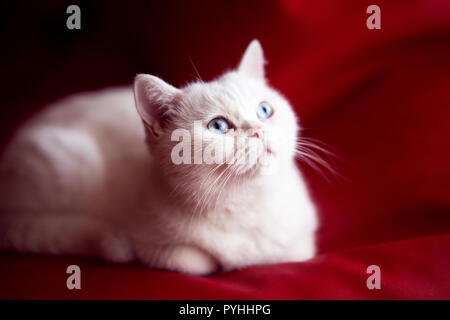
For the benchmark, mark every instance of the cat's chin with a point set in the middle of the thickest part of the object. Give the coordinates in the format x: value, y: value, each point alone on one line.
x: 266, y: 164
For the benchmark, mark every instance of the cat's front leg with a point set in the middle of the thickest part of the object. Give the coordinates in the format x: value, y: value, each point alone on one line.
x: 179, y: 257
x: 303, y: 248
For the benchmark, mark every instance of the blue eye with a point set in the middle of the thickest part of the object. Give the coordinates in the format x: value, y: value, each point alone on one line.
x: 264, y: 111
x: 219, y: 125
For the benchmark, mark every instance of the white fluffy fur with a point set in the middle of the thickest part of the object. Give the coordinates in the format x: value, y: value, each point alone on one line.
x: 87, y: 177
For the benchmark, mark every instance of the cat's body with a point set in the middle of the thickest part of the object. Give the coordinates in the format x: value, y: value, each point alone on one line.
x: 80, y: 179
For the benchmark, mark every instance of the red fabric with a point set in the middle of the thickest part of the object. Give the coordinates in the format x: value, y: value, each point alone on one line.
x: 379, y: 98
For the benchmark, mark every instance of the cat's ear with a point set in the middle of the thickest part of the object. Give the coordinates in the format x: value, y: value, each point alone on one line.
x: 252, y: 62
x: 154, y: 99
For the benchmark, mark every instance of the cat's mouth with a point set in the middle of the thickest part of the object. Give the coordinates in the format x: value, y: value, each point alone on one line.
x: 263, y: 161
x: 270, y: 151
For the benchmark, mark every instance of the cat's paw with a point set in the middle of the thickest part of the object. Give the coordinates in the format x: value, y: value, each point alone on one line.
x: 116, y: 247
x: 193, y: 261
x: 180, y: 258
x: 302, y: 250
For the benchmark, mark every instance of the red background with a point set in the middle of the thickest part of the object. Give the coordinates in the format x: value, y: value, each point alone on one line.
x: 379, y: 98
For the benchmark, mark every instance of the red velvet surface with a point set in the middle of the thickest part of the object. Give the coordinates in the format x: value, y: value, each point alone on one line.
x: 379, y: 98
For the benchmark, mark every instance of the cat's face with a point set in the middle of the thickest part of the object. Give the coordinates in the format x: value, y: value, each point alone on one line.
x: 209, y: 136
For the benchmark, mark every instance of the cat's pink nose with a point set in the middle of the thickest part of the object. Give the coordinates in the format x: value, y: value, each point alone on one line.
x: 258, y: 133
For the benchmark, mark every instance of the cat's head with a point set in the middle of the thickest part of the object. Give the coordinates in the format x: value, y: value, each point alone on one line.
x: 211, y: 136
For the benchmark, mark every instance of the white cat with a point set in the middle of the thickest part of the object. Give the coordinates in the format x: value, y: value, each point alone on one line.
x: 86, y: 177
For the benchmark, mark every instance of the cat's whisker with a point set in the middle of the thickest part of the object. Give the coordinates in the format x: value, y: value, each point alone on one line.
x: 306, y: 150
x: 195, y: 69
x: 205, y: 180
x: 314, y: 166
x: 317, y: 163
x: 231, y: 172
x: 205, y: 198
x: 318, y: 145
x: 222, y: 185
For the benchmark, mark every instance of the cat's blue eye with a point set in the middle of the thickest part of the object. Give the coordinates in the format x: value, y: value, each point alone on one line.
x: 264, y: 111
x: 219, y: 125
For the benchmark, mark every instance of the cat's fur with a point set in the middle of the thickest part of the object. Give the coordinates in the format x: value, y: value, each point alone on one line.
x: 89, y: 176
